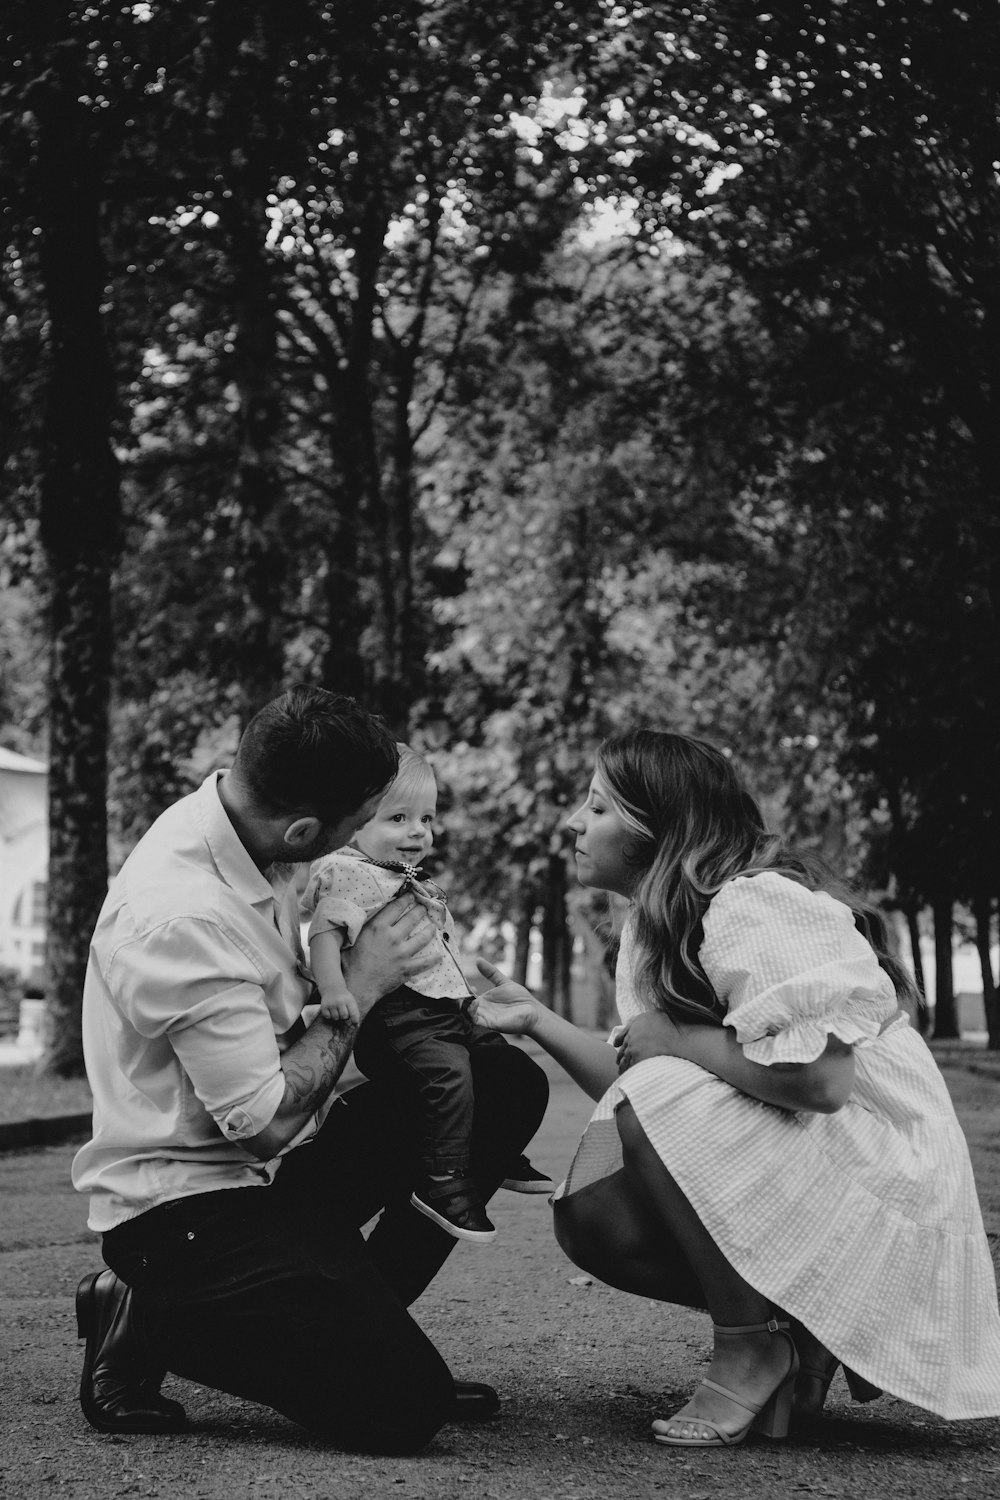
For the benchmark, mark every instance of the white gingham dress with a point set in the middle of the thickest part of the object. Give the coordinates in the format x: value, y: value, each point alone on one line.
x: 863, y: 1224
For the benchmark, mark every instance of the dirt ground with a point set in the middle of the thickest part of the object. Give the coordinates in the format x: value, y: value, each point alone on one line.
x: 581, y: 1369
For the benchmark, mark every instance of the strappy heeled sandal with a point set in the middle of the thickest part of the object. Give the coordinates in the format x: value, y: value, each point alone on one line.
x: 768, y: 1417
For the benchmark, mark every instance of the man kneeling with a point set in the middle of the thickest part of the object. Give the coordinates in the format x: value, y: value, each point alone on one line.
x: 233, y: 1161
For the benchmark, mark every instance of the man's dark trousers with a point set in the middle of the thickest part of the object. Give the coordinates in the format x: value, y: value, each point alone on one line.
x: 273, y: 1294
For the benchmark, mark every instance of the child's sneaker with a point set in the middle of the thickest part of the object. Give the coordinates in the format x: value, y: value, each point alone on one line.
x: 455, y: 1205
x: 523, y: 1178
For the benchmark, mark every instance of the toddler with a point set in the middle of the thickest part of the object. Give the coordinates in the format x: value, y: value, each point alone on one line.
x: 419, y: 1038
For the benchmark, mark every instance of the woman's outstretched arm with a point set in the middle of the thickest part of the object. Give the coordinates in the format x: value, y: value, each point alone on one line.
x: 509, y: 1007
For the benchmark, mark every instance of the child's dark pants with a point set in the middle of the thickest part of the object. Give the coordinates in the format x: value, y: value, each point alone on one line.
x: 424, y: 1049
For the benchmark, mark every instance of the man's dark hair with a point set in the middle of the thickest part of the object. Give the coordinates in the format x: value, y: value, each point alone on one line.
x: 317, y: 753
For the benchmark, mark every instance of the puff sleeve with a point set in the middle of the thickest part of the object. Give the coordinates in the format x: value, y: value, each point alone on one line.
x: 792, y: 969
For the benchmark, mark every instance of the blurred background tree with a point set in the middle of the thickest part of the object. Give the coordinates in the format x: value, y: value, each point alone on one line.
x: 527, y: 374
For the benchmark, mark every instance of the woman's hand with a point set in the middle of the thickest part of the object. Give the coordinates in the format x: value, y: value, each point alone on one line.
x: 510, y: 1008
x: 507, y: 1006
x: 653, y: 1034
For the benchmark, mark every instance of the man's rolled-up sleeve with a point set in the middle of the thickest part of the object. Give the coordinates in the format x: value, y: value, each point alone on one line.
x: 194, y: 984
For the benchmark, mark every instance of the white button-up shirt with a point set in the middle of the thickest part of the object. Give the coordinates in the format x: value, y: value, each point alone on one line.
x: 195, y: 986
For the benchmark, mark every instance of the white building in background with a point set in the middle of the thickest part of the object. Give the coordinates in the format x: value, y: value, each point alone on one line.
x: 24, y: 855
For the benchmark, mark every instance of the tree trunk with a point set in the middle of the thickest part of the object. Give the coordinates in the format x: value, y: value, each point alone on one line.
x: 78, y: 822
x: 945, y: 1016
x: 608, y: 1015
x: 403, y: 678
x: 406, y: 678
x: 555, y: 967
x: 923, y: 1016
x: 343, y: 669
x: 566, y: 966
x: 982, y: 908
x: 356, y: 436
x: 600, y: 979
x: 358, y: 572
x: 258, y: 488
x: 522, y: 936
x: 80, y: 532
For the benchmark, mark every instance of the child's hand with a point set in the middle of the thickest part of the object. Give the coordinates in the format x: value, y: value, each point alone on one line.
x: 340, y: 1005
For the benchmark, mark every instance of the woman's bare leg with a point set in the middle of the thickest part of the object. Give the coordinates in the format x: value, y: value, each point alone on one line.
x: 751, y: 1365
x: 607, y: 1229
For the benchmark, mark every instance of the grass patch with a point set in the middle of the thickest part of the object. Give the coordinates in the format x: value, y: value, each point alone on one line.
x: 26, y: 1094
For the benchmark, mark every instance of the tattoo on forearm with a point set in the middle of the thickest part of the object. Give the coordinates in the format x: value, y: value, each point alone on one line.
x: 310, y: 1077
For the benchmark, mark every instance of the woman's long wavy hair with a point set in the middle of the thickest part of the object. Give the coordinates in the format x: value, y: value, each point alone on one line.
x: 694, y: 826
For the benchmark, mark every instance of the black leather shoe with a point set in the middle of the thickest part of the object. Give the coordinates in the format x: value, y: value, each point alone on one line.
x: 117, y: 1392
x: 474, y: 1402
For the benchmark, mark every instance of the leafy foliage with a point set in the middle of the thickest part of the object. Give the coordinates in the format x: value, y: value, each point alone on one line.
x: 317, y: 364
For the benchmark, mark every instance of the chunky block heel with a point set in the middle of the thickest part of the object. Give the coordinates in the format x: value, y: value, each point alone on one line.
x: 860, y: 1388
x: 774, y: 1416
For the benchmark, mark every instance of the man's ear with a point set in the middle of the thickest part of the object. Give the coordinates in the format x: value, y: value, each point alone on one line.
x: 302, y: 832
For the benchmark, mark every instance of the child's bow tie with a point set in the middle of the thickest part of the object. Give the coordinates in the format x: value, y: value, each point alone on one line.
x: 410, y: 873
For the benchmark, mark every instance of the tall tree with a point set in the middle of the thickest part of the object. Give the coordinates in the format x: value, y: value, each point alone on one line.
x: 72, y: 76
x: 841, y: 160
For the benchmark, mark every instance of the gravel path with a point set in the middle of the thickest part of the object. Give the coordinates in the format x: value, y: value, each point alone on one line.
x: 581, y: 1369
